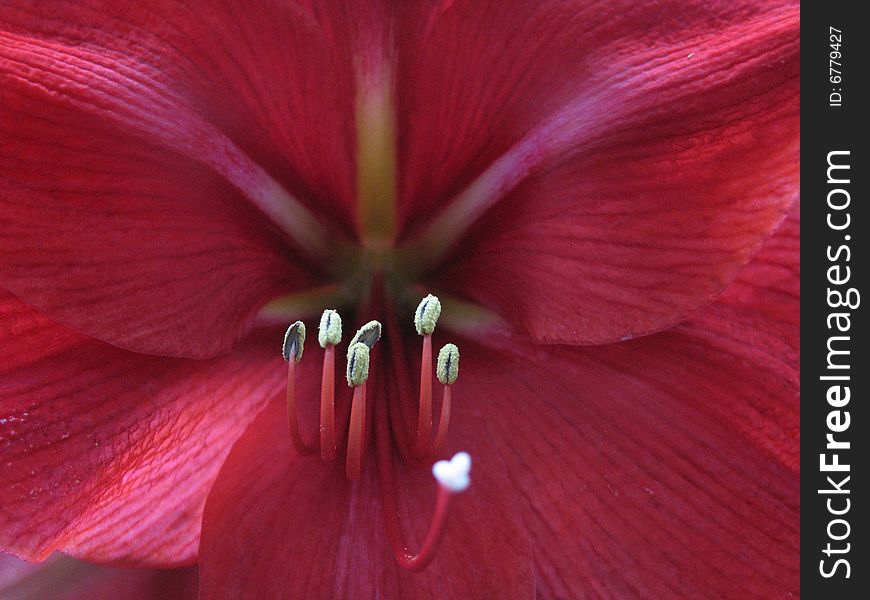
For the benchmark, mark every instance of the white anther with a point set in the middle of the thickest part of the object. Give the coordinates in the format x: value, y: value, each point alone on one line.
x: 329, y: 331
x: 447, y: 368
x: 294, y: 341
x: 426, y: 315
x: 357, y: 364
x: 453, y: 474
x: 368, y: 334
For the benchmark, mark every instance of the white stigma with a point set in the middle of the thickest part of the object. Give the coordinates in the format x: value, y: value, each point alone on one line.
x: 426, y: 315
x: 329, y: 331
x: 453, y: 474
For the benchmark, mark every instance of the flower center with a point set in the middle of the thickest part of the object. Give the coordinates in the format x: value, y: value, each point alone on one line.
x: 348, y: 435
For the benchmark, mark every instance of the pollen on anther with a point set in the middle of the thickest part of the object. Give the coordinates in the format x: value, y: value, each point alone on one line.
x: 357, y: 364
x: 426, y: 315
x: 294, y: 341
x: 329, y: 331
x: 447, y: 369
x: 368, y: 334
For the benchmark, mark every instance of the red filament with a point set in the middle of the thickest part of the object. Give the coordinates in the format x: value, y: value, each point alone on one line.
x: 328, y: 444
x: 292, y: 415
x: 443, y: 423
x: 356, y: 434
x: 424, y: 414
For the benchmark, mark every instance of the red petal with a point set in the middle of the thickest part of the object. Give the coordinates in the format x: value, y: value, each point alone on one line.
x: 757, y: 321
x: 27, y: 336
x: 109, y: 455
x: 275, y: 79
x: 277, y: 526
x: 70, y: 579
x: 770, y: 284
x: 132, y: 138
x: 665, y: 466
x: 629, y: 162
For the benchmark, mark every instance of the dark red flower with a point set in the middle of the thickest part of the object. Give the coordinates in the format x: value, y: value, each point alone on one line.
x: 178, y: 181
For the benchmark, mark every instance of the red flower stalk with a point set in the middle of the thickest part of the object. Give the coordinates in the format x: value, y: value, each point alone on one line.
x: 581, y: 184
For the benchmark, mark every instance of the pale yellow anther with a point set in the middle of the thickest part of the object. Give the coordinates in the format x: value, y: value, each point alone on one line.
x: 357, y: 364
x: 329, y: 331
x: 427, y: 314
x: 368, y: 334
x: 294, y: 341
x: 447, y: 369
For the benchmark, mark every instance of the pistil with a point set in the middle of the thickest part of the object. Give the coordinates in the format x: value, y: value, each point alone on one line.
x: 452, y: 478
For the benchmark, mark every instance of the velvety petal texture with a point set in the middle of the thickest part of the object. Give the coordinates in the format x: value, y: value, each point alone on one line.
x: 665, y: 466
x: 321, y: 536
x: 756, y: 323
x: 109, y: 455
x: 135, y: 139
x: 628, y: 162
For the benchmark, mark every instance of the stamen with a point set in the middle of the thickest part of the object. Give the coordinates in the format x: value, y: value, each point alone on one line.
x: 357, y: 364
x: 328, y: 335
x: 447, y: 373
x: 425, y: 318
x: 448, y: 364
x: 427, y: 315
x: 294, y: 341
x: 329, y: 332
x: 368, y: 334
x: 357, y: 373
